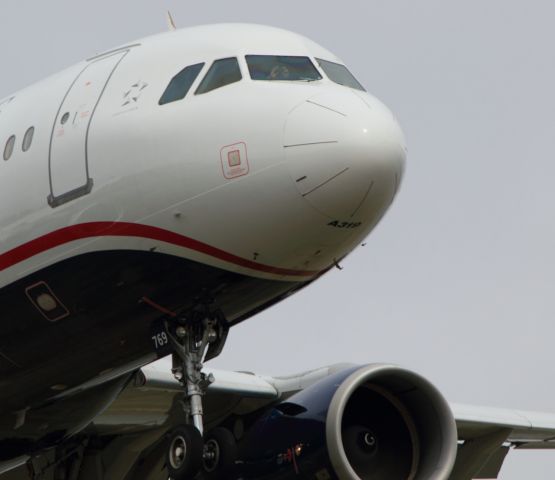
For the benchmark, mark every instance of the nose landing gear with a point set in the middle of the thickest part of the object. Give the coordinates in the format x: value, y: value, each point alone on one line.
x: 198, y: 337
x: 220, y: 454
x: 185, y: 452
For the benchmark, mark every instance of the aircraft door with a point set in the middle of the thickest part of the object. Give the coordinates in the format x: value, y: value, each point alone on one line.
x: 68, y: 156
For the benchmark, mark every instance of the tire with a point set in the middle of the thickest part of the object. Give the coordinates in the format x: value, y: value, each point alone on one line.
x: 184, y: 452
x: 222, y: 444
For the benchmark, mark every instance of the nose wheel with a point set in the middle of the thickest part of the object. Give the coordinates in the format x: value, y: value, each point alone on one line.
x: 220, y: 454
x: 184, y: 454
x: 188, y: 454
x: 197, y: 337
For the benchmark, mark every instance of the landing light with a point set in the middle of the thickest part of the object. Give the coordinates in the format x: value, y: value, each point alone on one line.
x: 46, y: 302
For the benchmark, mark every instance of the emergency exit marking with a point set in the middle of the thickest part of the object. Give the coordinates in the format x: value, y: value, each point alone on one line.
x: 234, y: 159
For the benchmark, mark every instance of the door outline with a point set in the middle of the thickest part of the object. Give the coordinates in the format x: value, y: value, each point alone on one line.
x: 57, y: 200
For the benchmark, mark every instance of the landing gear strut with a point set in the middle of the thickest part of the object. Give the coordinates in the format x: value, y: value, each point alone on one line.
x: 197, y: 337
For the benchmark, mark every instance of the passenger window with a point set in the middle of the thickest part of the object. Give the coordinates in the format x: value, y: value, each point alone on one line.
x: 180, y: 84
x: 279, y: 67
x: 221, y: 73
x: 28, y: 139
x: 8, y: 149
x: 340, y: 74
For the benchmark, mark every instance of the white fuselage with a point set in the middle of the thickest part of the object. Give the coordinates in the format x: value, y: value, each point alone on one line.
x: 130, y: 196
x: 321, y: 162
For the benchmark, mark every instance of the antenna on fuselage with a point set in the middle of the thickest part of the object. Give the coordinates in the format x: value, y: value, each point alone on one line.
x: 171, y: 23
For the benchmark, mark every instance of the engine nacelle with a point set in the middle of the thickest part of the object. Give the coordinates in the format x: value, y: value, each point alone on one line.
x: 378, y: 422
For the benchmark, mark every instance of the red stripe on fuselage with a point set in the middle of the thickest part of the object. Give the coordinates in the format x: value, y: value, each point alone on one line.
x: 122, y: 229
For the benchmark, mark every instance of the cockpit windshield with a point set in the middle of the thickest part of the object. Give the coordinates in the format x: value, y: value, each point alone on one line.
x: 340, y: 74
x: 284, y: 68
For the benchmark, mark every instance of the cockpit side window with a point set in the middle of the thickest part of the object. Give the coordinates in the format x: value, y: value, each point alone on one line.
x: 180, y: 84
x: 222, y: 72
x: 284, y: 68
x: 339, y: 74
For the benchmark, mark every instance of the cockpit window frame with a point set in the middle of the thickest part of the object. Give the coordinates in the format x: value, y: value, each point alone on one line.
x: 202, y: 88
x: 282, y: 61
x: 176, y: 91
x: 353, y: 82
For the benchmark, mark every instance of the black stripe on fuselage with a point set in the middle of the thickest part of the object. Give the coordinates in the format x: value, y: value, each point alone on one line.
x: 108, y: 326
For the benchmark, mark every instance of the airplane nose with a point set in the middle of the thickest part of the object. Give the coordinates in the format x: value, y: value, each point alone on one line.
x: 346, y: 155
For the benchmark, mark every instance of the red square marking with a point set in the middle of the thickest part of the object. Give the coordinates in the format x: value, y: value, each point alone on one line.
x: 234, y: 158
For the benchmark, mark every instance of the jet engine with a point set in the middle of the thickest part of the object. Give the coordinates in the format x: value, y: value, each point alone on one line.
x: 377, y: 422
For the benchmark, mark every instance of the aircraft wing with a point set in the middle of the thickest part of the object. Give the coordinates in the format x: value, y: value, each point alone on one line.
x: 131, y: 431
x: 532, y: 430
x: 485, y: 434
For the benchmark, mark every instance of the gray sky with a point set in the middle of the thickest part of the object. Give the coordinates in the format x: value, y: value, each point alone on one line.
x: 457, y: 282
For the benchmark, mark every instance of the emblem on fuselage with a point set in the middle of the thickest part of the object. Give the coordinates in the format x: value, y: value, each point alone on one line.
x: 235, y: 162
x: 133, y: 94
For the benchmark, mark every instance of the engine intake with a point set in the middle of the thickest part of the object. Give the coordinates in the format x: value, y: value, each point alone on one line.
x: 386, y: 423
x: 377, y: 422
